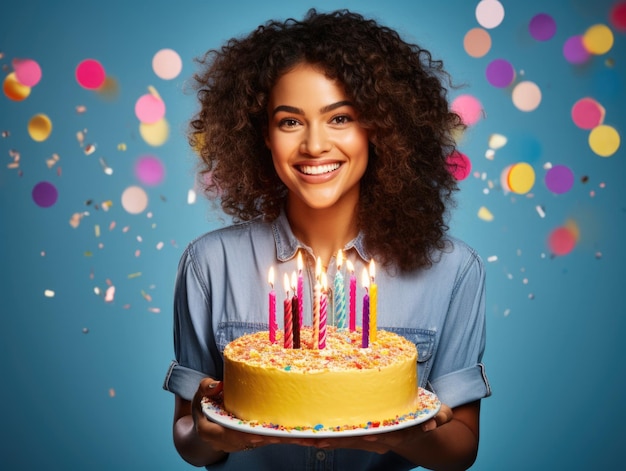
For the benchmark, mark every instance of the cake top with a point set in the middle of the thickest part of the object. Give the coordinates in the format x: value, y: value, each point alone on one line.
x: 343, y: 351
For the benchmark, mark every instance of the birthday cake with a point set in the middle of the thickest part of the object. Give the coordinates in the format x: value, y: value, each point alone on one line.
x: 340, y: 385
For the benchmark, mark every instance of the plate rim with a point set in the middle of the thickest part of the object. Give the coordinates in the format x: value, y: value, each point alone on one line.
x: 215, y: 412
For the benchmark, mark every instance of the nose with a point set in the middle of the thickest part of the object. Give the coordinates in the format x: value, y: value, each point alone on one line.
x: 316, y: 140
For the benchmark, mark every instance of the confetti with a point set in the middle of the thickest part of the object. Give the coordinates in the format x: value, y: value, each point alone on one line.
x: 48, y: 293
x: 167, y: 64
x: 149, y: 170
x: 542, y: 27
x: 489, y: 13
x: 45, y: 194
x: 134, y: 200
x: 27, y: 71
x: 485, y: 214
x: 13, y: 89
x: 477, y: 42
x: 90, y: 74
x: 109, y: 296
x: 39, y: 127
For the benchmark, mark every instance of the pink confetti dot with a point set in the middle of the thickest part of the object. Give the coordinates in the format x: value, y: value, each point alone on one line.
x: 559, y: 179
x: 575, y: 51
x: 167, y: 64
x: 500, y: 73
x: 587, y: 113
x: 468, y: 108
x: 90, y: 74
x: 561, y: 241
x: 459, y: 165
x: 45, y: 194
x: 149, y: 170
x: 149, y: 109
x: 542, y: 27
x: 27, y: 72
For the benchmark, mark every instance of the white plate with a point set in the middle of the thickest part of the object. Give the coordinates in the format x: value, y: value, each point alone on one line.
x: 214, y: 410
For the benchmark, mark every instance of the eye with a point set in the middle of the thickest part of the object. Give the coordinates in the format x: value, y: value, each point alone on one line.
x: 288, y: 123
x: 341, y: 119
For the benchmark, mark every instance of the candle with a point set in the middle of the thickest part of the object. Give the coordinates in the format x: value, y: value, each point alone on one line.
x: 288, y: 315
x: 272, y: 306
x: 300, y: 292
x: 340, y: 295
x: 366, y: 311
x: 352, y: 290
x: 373, y: 302
x: 317, y: 293
x: 323, y: 311
x: 295, y: 317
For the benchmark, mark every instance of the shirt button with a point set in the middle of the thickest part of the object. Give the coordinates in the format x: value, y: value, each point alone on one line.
x: 320, y: 455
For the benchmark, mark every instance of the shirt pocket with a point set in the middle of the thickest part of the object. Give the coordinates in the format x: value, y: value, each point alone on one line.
x: 228, y: 331
x: 424, y: 340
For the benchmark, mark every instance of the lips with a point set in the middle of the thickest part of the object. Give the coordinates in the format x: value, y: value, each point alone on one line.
x: 318, y: 169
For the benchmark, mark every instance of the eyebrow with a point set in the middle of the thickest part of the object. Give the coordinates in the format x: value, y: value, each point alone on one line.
x: 324, y: 109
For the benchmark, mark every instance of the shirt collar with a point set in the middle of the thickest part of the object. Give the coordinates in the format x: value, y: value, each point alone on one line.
x: 287, y: 244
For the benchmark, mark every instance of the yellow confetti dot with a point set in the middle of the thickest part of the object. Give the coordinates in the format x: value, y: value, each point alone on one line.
x: 521, y: 178
x: 604, y: 140
x: 598, y: 39
x: 13, y: 89
x: 155, y: 134
x: 48, y: 293
x: 485, y: 214
x: 39, y: 127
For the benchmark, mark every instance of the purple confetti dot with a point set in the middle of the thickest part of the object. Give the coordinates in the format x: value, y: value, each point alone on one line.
x: 149, y: 170
x: 542, y: 27
x: 559, y: 179
x: 574, y: 50
x: 45, y: 194
x: 500, y: 73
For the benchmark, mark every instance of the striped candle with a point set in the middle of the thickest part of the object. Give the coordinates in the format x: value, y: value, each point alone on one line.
x: 287, y: 309
x: 340, y: 295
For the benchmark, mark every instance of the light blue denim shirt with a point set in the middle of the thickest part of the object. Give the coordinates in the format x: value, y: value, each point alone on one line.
x: 222, y: 293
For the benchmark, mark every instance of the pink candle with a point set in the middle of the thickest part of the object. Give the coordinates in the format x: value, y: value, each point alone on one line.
x: 272, y: 306
x: 366, y: 312
x: 294, y: 315
x: 317, y: 293
x: 323, y: 312
x: 300, y: 289
x: 352, y: 291
x: 288, y: 340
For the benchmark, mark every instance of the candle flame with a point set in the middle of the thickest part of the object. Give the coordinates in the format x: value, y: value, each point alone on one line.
x: 339, y: 259
x: 270, y: 277
x: 318, y: 268
x: 286, y: 283
x: 294, y: 281
x: 365, y: 278
x: 300, y: 263
x: 324, y: 281
x: 372, y: 270
x: 349, y: 266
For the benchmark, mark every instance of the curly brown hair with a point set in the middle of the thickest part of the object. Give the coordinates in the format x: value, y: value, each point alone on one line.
x: 400, y: 94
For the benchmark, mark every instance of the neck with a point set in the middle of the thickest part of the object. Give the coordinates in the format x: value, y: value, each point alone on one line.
x: 324, y: 230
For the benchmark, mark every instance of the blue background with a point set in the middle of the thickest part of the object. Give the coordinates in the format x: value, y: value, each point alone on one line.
x: 81, y: 377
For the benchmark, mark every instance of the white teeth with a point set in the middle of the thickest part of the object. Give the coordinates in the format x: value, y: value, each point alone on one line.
x: 319, y: 169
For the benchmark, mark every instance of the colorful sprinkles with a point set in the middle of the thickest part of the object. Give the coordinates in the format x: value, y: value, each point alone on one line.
x: 429, y: 405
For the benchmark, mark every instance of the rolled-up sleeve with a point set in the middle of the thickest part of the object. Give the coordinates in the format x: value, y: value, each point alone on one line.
x: 458, y: 375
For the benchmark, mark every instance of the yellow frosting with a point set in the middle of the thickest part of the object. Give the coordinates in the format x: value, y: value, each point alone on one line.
x: 342, y: 384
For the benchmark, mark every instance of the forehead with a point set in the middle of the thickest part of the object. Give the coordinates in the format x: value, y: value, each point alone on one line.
x: 306, y: 83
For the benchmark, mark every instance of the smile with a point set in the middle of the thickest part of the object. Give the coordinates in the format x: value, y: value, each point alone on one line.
x: 318, y: 169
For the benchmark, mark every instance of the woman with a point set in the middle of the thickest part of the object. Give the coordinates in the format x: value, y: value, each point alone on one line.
x: 318, y: 135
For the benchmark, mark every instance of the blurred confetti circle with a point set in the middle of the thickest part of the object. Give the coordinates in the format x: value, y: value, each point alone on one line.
x: 561, y: 241
x: 575, y: 51
x: 526, y: 96
x: 155, y: 134
x: 618, y: 16
x: 477, y: 42
x: 13, y: 89
x: 90, y: 74
x: 521, y: 178
x: 149, y: 108
x: 149, y: 170
x: 489, y: 13
x: 559, y: 179
x: 459, y: 165
x: 134, y: 200
x: 542, y: 27
x: 598, y: 39
x: 587, y: 113
x: 45, y: 194
x: 500, y: 73
x: 39, y: 127
x: 604, y: 140
x: 167, y: 64
x: 468, y: 108
x: 27, y: 71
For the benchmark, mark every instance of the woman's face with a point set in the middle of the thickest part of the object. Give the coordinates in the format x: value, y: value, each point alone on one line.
x: 319, y: 149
